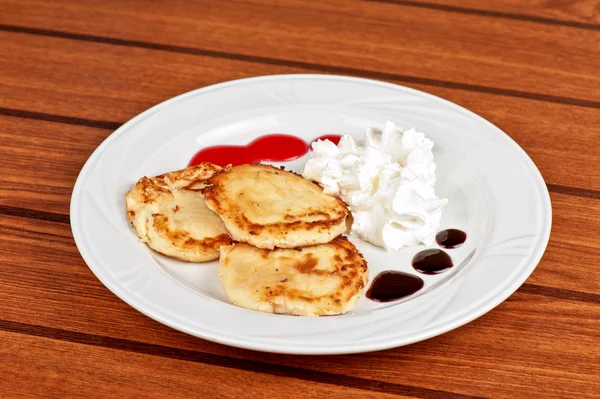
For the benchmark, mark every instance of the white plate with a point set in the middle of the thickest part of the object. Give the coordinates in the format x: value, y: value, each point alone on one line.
x: 496, y: 195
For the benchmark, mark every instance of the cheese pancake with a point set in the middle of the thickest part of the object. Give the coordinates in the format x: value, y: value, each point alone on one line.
x: 269, y: 207
x: 170, y: 215
x: 324, y: 279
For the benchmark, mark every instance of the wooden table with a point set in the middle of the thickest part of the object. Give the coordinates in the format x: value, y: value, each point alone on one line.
x: 71, y: 72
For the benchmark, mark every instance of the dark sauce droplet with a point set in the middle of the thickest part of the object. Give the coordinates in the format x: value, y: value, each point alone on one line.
x: 432, y: 261
x: 392, y: 285
x: 451, y: 238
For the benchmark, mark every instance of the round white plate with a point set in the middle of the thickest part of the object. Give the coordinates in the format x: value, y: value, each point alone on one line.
x: 495, y: 194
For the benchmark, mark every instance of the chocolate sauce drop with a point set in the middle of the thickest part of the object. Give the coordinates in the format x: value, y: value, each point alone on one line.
x: 432, y: 261
x: 451, y: 238
x: 392, y: 285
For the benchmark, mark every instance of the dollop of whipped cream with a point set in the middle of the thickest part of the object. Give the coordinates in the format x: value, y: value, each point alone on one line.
x: 387, y: 181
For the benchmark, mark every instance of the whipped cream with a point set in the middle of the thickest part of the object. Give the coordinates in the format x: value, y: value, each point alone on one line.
x: 387, y: 181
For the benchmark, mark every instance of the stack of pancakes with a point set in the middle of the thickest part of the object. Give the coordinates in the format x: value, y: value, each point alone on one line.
x: 277, y: 235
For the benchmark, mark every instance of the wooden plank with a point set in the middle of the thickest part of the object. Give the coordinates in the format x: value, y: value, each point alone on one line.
x: 63, y: 334
x: 569, y: 260
x: 34, y: 366
x: 65, y: 147
x: 104, y: 82
x: 530, y: 342
x: 474, y: 360
x: 572, y: 251
x: 30, y: 142
x: 510, y: 357
x: 41, y: 161
x: 382, y: 37
x: 526, y: 342
x: 584, y: 14
x: 49, y: 86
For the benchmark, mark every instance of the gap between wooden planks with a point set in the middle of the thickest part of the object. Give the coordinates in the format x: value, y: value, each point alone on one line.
x: 582, y: 14
x: 56, y: 368
x: 452, y: 48
x: 544, y: 129
x: 527, y: 324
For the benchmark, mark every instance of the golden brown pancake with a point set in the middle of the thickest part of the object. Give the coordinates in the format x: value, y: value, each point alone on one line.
x: 268, y: 207
x: 324, y: 279
x: 170, y: 215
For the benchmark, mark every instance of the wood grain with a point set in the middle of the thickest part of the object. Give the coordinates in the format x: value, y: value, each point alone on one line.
x: 387, y: 38
x: 59, y: 150
x: 27, y: 142
x: 72, y: 72
x: 66, y: 369
x: 39, y: 80
x: 567, y: 265
x: 529, y: 340
x: 44, y: 289
x: 583, y: 14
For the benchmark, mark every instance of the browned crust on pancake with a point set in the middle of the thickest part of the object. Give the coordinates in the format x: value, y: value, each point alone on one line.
x: 232, y: 213
x: 191, y: 173
x: 150, y: 189
x: 182, y: 239
x: 348, y: 265
x: 349, y: 262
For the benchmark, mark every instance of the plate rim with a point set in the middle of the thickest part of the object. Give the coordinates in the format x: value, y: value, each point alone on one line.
x: 532, y: 261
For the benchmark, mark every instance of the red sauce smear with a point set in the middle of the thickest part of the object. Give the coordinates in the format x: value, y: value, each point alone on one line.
x: 270, y: 148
